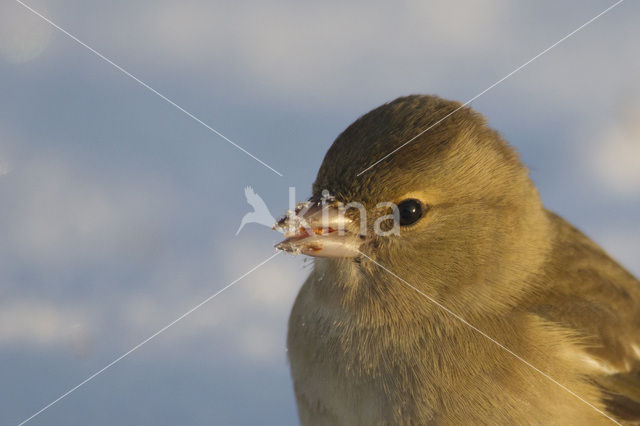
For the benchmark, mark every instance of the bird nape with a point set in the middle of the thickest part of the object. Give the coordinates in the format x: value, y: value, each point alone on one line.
x: 465, y: 301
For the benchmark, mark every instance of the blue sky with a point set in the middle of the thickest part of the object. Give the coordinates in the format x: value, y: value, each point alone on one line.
x: 118, y: 212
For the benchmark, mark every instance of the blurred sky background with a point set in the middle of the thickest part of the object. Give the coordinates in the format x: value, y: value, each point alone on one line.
x: 118, y: 212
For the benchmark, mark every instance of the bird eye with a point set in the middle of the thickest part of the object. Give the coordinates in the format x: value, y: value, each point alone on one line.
x: 411, y: 210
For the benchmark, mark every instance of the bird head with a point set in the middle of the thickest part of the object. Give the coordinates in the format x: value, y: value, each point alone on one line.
x: 466, y: 215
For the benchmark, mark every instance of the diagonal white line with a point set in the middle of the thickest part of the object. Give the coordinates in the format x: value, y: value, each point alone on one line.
x: 493, y: 85
x: 136, y: 347
x: 491, y: 339
x: 145, y: 85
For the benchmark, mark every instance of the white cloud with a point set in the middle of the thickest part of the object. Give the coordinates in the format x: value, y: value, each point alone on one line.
x: 318, y: 51
x: 23, y: 36
x: 315, y: 51
x: 261, y: 343
x: 301, y: 50
x: 465, y: 26
x: 43, y: 324
x: 61, y: 220
x: 615, y: 154
x: 251, y: 317
x: 59, y: 217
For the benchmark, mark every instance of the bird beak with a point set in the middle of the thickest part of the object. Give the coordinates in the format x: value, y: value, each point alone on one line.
x: 318, y: 228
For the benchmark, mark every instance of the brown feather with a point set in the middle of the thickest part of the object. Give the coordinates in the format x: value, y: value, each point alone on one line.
x: 367, y: 349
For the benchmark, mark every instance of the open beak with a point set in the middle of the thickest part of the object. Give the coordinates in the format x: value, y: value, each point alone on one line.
x: 318, y: 228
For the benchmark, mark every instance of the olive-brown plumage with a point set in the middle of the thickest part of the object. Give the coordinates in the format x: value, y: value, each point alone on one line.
x: 366, y: 348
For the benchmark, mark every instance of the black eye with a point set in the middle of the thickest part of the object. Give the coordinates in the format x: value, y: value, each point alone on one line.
x: 411, y: 210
